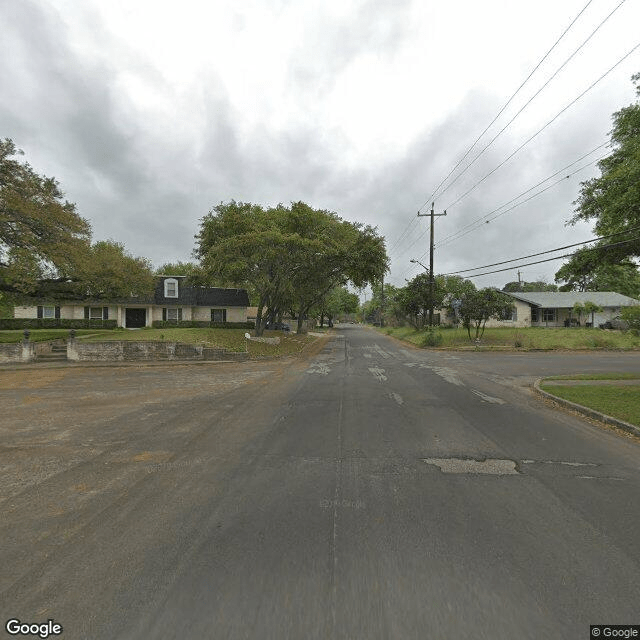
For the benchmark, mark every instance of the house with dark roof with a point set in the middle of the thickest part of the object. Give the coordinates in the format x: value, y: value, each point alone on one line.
x: 172, y: 300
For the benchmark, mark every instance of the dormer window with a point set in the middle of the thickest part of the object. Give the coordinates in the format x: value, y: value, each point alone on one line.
x: 170, y: 288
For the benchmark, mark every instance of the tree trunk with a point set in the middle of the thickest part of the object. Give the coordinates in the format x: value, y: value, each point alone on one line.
x: 301, y: 313
x: 259, y: 326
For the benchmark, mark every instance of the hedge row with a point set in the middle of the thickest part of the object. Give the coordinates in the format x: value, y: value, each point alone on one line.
x: 55, y: 323
x: 198, y: 324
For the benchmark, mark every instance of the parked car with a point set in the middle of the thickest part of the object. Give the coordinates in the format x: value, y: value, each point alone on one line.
x: 278, y: 326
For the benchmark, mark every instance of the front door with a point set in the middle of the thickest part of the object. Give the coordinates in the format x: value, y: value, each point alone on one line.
x: 135, y: 318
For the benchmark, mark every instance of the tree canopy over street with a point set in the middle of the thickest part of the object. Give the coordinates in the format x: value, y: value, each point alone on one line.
x: 613, y: 202
x: 291, y: 256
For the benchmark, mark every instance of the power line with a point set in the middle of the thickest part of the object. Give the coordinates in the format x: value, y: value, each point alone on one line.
x: 405, y: 232
x: 537, y: 133
x: 535, y: 95
x: 541, y: 253
x: 402, y: 235
x: 487, y: 217
x: 506, y: 104
x: 566, y: 255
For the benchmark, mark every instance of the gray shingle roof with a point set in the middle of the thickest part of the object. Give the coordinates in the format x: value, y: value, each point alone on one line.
x: 193, y: 296
x: 200, y: 296
x: 566, y: 299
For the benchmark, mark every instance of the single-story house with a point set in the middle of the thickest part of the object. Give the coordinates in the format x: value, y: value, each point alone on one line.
x: 555, y: 308
x: 172, y: 300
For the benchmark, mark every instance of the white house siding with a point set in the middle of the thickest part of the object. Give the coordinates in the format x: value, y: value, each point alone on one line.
x: 117, y: 312
x: 237, y: 314
x: 523, y: 317
x: 234, y: 314
x: 22, y: 312
x: 67, y: 311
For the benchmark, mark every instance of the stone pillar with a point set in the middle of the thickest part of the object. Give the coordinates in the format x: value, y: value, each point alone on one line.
x: 28, y: 348
x: 72, y: 352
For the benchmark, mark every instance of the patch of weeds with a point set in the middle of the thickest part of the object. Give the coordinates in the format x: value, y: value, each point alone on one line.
x: 600, y: 342
x: 431, y: 339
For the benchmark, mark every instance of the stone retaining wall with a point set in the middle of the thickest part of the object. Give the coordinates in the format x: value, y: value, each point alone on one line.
x: 17, y: 352
x: 137, y: 350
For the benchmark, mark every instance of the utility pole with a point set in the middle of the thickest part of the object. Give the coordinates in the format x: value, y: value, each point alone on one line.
x: 431, y: 275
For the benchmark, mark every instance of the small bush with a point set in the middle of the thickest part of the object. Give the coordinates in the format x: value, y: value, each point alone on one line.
x: 55, y: 323
x: 431, y: 339
x: 631, y: 315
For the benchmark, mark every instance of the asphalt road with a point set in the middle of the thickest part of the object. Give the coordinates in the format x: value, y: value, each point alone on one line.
x: 371, y: 491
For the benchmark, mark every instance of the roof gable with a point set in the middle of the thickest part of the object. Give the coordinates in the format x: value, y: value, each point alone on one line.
x: 200, y: 296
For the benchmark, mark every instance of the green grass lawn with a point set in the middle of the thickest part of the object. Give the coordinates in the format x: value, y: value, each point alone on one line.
x: 597, y: 376
x: 617, y: 401
x: 230, y: 339
x: 525, y: 339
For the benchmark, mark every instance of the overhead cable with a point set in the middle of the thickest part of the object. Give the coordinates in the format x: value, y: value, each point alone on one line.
x: 506, y: 104
x: 533, y: 97
x: 537, y: 133
x: 541, y: 253
x: 489, y: 216
x: 566, y: 255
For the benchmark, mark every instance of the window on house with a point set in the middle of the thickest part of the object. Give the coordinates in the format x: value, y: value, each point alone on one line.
x: 172, y: 314
x: 95, y: 313
x: 535, y: 314
x: 218, y: 315
x: 510, y: 315
x: 549, y: 315
x: 170, y: 288
x: 48, y: 312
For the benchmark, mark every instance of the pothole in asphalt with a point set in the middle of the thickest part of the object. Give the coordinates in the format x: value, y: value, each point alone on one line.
x: 490, y: 466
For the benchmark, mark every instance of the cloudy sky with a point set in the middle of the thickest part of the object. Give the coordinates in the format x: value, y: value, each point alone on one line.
x: 150, y: 112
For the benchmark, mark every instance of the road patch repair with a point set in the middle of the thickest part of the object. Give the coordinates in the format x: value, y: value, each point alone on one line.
x: 490, y: 466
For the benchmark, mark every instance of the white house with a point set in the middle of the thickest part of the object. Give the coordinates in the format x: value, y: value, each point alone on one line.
x: 172, y: 300
x: 555, y: 308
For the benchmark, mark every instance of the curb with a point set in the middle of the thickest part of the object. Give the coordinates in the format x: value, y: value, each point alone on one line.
x: 586, y: 411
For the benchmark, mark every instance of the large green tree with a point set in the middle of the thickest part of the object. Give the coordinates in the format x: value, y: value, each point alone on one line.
x: 339, y: 301
x: 537, y: 285
x: 476, y: 307
x: 587, y: 272
x: 291, y: 256
x: 612, y: 200
x: 41, y: 234
x: 415, y: 298
x: 45, y: 246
